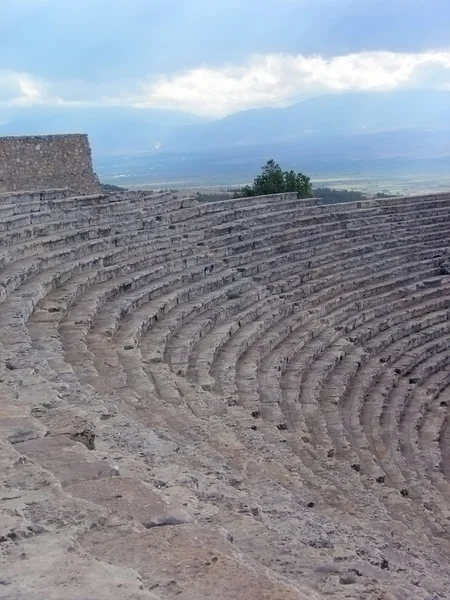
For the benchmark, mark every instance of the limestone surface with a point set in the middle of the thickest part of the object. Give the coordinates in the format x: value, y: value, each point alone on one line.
x: 241, y: 400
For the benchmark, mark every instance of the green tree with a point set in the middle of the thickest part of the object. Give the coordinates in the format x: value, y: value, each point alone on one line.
x: 273, y: 180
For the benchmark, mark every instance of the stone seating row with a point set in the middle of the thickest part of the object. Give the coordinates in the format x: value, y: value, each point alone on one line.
x: 161, y: 334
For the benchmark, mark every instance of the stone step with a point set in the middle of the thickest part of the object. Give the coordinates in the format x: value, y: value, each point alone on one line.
x: 66, y: 459
x: 188, y: 563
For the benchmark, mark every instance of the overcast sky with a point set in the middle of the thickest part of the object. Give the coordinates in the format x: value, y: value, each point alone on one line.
x: 217, y: 56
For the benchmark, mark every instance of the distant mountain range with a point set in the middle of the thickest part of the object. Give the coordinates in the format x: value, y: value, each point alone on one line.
x: 128, y: 131
x: 330, y: 115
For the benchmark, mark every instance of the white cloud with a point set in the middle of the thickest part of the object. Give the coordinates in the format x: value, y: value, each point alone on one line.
x: 264, y: 80
x: 21, y: 88
x: 279, y: 79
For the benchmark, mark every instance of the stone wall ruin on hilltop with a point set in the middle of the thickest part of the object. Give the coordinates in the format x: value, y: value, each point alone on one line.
x: 47, y: 161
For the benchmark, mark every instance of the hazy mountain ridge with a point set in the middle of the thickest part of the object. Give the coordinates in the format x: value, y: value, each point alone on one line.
x: 345, y: 114
x: 125, y: 130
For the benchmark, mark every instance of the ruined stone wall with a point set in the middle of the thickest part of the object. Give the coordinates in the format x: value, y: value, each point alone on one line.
x: 47, y: 161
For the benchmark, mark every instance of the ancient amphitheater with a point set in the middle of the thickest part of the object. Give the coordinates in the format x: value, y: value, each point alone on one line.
x: 246, y: 399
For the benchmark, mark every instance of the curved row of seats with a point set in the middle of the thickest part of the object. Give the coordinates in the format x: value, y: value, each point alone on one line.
x: 311, y: 340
